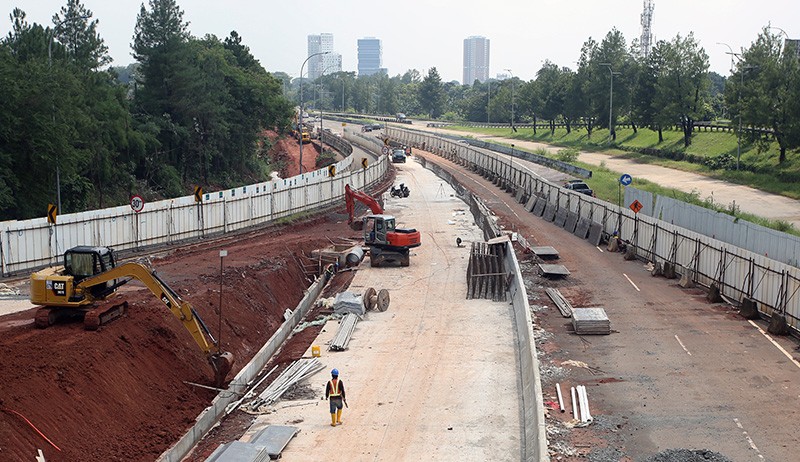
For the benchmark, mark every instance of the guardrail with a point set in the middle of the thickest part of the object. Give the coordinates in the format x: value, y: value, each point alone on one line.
x: 739, y: 275
x: 31, y: 244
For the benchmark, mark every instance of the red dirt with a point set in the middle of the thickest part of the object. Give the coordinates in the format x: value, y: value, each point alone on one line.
x: 119, y: 393
x: 286, y: 153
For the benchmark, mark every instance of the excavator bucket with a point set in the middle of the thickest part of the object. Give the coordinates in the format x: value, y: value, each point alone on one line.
x: 222, y: 363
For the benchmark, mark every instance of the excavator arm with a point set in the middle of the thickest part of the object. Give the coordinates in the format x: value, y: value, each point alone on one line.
x: 351, y: 195
x: 221, y: 362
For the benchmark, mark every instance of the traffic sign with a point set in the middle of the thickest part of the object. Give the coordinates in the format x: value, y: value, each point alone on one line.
x: 331, y: 170
x: 52, y: 213
x: 137, y: 203
x: 364, y: 162
x: 385, y: 150
x: 626, y: 179
x: 198, y: 194
x: 636, y: 206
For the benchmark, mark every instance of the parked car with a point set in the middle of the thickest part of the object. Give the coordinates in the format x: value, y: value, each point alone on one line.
x: 579, y: 186
x: 398, y: 155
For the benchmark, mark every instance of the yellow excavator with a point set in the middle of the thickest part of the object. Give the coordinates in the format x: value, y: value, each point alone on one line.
x: 82, y: 287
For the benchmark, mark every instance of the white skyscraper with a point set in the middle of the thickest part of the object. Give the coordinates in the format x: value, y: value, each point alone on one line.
x: 476, y: 59
x: 329, y: 63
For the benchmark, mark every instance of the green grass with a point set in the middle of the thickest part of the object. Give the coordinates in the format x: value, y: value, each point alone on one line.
x: 605, y: 183
x: 768, y: 175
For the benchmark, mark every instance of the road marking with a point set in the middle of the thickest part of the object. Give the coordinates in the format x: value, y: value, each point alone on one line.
x: 786, y: 353
x: 749, y: 440
x: 682, y: 345
x: 629, y: 280
x: 598, y: 248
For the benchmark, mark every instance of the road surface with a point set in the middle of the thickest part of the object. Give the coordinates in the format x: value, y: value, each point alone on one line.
x: 749, y: 200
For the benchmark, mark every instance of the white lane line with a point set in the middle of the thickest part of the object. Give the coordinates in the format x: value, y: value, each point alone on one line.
x: 682, y: 345
x: 749, y: 440
x: 629, y: 280
x: 786, y: 353
x: 598, y: 248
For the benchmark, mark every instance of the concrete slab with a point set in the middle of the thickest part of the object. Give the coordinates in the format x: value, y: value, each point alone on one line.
x: 410, y: 371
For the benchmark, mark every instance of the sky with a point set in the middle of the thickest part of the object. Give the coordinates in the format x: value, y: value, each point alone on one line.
x: 418, y: 34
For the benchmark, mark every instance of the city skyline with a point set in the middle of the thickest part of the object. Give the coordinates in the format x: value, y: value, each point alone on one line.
x: 277, y: 34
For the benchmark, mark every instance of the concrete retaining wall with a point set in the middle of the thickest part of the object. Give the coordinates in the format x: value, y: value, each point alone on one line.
x: 209, y: 417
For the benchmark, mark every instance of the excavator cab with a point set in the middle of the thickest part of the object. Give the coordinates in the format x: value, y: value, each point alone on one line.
x: 376, y: 228
x: 83, y: 261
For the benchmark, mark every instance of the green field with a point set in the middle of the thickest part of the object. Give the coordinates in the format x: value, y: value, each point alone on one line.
x: 767, y: 174
x: 604, y: 181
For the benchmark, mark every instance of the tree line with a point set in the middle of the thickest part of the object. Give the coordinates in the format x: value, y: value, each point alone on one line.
x: 188, y: 112
x: 669, y: 87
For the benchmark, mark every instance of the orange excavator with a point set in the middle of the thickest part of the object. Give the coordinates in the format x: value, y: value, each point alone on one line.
x: 85, y: 284
x: 387, y: 243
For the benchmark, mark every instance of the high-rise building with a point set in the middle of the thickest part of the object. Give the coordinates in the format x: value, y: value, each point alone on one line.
x: 476, y: 59
x: 328, y: 63
x: 370, y: 56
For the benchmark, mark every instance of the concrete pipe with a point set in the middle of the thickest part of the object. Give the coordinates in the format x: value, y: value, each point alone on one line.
x: 353, y: 256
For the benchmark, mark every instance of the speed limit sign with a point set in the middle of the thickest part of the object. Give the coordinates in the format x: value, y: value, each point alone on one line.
x: 137, y: 203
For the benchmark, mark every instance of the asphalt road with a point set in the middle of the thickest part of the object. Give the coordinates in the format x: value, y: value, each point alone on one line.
x: 677, y: 372
x: 750, y: 200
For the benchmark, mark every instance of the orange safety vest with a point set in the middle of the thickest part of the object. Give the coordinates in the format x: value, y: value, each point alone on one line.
x: 334, y: 389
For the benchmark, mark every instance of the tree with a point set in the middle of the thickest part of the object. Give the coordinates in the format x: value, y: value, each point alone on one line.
x: 682, y: 84
x: 431, y: 94
x: 767, y: 80
x: 551, y: 92
x: 78, y: 36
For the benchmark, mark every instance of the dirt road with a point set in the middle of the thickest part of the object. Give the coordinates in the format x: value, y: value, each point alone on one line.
x: 748, y: 199
x: 432, y: 378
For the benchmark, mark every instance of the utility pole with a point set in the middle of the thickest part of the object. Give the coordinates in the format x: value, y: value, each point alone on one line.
x: 611, y: 132
x: 512, y: 100
x: 301, y: 105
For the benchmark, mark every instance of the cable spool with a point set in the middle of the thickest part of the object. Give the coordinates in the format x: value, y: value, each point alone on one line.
x: 376, y: 300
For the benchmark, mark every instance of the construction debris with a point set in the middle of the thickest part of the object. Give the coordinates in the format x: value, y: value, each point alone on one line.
x: 298, y: 371
x: 342, y: 337
x: 486, y: 275
x: 348, y: 302
x: 561, y: 303
x: 553, y: 270
x: 592, y: 321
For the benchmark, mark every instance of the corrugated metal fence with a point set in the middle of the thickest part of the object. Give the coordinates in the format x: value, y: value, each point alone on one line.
x: 29, y: 244
x: 738, y: 273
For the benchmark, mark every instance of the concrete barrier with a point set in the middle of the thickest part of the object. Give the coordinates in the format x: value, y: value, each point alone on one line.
x: 209, y: 417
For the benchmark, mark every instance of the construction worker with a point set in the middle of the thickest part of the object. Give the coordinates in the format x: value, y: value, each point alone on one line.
x: 334, y: 393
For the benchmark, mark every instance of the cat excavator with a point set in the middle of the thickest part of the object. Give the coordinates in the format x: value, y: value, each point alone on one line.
x: 387, y: 243
x: 85, y: 284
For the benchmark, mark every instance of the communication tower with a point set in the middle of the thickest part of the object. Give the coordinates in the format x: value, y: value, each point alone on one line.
x: 646, y: 41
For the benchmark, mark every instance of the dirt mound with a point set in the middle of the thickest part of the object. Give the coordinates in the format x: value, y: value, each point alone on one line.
x: 121, y: 393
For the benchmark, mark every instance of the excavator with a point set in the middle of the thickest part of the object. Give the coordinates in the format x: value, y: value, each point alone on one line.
x: 387, y: 244
x: 83, y: 287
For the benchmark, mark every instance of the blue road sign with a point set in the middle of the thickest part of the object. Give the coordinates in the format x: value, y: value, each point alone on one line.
x: 625, y: 179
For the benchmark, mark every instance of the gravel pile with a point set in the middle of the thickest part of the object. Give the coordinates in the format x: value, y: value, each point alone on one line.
x: 688, y: 455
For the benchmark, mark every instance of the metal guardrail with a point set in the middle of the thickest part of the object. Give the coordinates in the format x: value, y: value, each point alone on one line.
x: 739, y: 274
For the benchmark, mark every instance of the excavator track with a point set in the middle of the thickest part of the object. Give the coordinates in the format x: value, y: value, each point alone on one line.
x: 103, y: 315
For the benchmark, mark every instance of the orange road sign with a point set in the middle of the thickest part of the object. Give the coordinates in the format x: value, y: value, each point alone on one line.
x: 364, y: 162
x: 636, y: 206
x: 198, y: 194
x: 52, y: 213
x: 331, y: 170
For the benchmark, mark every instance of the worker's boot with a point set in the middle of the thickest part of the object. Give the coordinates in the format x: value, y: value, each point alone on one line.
x: 333, y: 419
x: 338, y: 417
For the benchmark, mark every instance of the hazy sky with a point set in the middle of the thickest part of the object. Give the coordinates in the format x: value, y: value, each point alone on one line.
x: 420, y: 34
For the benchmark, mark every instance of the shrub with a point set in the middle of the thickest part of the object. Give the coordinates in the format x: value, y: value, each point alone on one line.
x: 567, y: 154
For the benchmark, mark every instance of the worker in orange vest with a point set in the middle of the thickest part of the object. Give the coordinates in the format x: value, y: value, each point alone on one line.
x: 334, y: 392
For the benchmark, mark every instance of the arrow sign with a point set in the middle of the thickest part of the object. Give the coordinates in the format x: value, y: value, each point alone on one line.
x: 198, y: 194
x: 331, y: 170
x: 364, y: 162
x: 52, y: 213
x: 626, y: 179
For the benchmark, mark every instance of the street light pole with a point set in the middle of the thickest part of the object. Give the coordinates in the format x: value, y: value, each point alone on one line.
x: 512, y: 100
x: 611, y: 132
x: 488, y: 101
x: 50, y: 67
x: 739, y: 103
x: 300, y: 128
